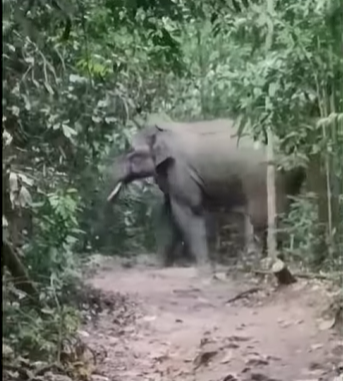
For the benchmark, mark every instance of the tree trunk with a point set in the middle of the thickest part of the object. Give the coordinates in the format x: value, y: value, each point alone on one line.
x: 271, y: 194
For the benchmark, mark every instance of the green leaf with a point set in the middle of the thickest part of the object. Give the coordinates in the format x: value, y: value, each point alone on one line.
x: 68, y: 131
x: 4, y: 221
x: 49, y: 88
x: 273, y: 87
x: 48, y: 311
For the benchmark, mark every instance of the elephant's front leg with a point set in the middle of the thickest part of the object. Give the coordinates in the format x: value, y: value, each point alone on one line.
x: 169, y: 246
x: 193, y: 228
x: 168, y: 236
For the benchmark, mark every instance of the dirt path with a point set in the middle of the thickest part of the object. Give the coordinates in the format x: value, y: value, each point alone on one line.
x: 185, y: 330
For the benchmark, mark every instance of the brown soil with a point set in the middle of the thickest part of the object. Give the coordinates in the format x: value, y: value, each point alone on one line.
x: 184, y: 329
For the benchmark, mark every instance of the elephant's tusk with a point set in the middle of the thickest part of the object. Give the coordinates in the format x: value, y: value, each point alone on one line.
x: 115, y: 191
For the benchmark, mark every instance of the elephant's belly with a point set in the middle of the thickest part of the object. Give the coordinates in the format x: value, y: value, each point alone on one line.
x: 224, y: 194
x: 223, y: 201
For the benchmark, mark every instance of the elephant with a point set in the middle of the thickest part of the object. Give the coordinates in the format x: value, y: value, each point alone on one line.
x: 204, y: 166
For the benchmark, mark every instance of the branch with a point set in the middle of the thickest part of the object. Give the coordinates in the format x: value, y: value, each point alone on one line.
x: 18, y: 270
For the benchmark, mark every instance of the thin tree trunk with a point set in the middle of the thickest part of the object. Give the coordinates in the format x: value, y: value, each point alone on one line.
x: 279, y: 269
x: 271, y: 194
x: 202, y: 71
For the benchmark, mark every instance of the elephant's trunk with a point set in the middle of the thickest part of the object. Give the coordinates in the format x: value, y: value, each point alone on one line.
x: 121, y: 175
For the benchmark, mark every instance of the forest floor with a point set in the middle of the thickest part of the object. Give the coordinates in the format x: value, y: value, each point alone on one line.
x: 165, y: 324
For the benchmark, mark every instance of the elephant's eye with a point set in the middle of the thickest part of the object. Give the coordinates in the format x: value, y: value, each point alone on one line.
x: 130, y: 154
x: 133, y: 159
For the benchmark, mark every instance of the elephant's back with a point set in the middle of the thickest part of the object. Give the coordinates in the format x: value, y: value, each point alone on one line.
x: 222, y: 164
x: 216, y: 158
x: 223, y: 152
x: 207, y: 127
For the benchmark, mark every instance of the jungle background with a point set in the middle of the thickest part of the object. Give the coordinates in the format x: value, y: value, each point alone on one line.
x: 75, y: 77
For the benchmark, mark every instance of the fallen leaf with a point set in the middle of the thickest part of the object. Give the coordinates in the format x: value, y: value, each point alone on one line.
x: 232, y: 346
x: 241, y: 327
x: 315, y: 366
x: 230, y: 377
x: 314, y: 347
x: 220, y: 276
x: 227, y: 358
x: 260, y: 377
x: 324, y: 325
x: 159, y: 357
x: 203, y: 301
x: 337, y: 350
x: 7, y: 351
x: 284, y: 324
x: 83, y: 333
x: 97, y: 377
x: 256, y: 361
x: 340, y: 367
x: 246, y: 369
x: 272, y: 357
x: 149, y: 318
x: 206, y: 340
x: 113, y: 341
x: 203, y: 358
x: 188, y: 360
x: 239, y: 338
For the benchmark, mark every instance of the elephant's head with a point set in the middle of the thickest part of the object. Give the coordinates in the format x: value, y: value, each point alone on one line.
x: 136, y: 164
x: 151, y: 148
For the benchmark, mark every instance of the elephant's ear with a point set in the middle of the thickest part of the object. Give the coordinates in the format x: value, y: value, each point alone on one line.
x: 160, y: 147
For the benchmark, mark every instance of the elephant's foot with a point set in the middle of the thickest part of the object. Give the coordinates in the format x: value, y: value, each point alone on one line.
x: 183, y: 263
x: 206, y: 273
x: 165, y: 261
x: 213, y: 279
x: 220, y: 277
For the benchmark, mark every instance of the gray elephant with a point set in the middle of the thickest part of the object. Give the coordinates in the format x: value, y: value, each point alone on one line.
x: 203, y: 166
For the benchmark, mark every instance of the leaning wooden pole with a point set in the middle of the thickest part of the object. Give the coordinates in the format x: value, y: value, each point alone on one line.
x: 279, y: 268
x: 271, y: 193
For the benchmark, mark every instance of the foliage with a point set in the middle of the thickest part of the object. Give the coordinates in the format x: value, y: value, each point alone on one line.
x: 76, y: 75
x: 70, y: 84
x: 33, y: 333
x: 50, y: 251
x: 299, y: 224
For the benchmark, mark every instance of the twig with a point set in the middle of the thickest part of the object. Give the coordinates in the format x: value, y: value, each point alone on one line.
x: 18, y: 270
x: 243, y: 294
x: 47, y: 368
x: 22, y: 372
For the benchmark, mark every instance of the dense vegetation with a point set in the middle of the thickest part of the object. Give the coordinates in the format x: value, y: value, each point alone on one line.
x: 76, y: 75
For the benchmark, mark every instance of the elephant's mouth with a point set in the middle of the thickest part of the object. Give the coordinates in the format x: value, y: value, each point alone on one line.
x: 115, y: 192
